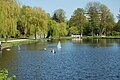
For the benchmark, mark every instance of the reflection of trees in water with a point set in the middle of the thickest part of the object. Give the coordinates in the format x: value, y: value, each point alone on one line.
x: 43, y: 44
x: 57, y: 40
x: 36, y: 46
x: 80, y: 41
x: 98, y: 42
x: 8, y: 59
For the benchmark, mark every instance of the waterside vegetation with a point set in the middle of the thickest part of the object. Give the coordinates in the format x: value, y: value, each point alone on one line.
x: 4, y: 75
x: 94, y: 21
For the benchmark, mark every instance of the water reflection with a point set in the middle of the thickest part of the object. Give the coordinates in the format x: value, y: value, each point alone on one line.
x: 8, y: 59
x: 36, y: 46
x: 98, y: 42
x: 76, y: 60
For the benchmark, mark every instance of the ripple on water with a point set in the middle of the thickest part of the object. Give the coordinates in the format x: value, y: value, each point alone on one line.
x: 72, y: 62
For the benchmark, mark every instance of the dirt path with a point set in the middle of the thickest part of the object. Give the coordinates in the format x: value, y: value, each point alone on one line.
x: 16, y: 40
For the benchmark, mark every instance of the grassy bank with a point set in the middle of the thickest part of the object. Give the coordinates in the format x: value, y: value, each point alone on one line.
x: 10, y: 44
x: 101, y: 37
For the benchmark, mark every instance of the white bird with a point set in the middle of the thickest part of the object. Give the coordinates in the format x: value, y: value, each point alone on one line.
x: 8, y: 49
x: 45, y: 49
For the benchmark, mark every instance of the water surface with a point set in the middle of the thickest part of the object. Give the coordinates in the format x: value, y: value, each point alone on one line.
x: 77, y: 60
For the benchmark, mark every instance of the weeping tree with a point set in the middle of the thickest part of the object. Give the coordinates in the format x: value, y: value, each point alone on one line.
x: 9, y: 12
x: 52, y: 28
x: 35, y: 20
x: 39, y: 21
x: 61, y: 29
x: 56, y: 29
x: 25, y: 18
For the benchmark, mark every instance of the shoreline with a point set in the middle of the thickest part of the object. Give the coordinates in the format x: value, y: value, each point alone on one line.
x: 16, y: 42
x: 11, y: 43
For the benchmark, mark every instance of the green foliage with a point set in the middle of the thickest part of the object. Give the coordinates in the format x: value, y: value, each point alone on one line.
x: 73, y: 30
x: 78, y: 19
x: 4, y: 75
x: 9, y: 11
x: 56, y: 29
x: 107, y: 20
x: 117, y: 26
x: 34, y: 20
x: 100, y: 18
x: 52, y: 28
x: 59, y: 15
x: 62, y: 29
x: 95, y: 19
x: 118, y: 15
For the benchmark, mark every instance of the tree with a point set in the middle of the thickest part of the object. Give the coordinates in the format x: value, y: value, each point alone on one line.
x: 118, y: 16
x: 117, y: 27
x: 39, y: 21
x: 93, y: 16
x: 52, y: 29
x: 100, y: 18
x: 78, y: 19
x: 107, y: 20
x: 9, y: 12
x: 56, y: 29
x: 73, y: 30
x: 59, y: 15
x: 35, y: 20
x: 62, y: 29
x: 25, y: 17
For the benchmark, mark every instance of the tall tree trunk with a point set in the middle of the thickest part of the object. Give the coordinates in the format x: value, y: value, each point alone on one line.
x: 35, y: 35
x: 6, y: 38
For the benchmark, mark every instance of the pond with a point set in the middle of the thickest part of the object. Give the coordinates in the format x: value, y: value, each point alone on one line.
x: 89, y: 59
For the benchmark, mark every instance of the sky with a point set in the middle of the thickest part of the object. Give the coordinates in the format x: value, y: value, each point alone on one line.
x: 70, y: 5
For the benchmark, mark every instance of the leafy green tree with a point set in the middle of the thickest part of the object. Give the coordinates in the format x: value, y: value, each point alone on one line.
x: 118, y: 15
x: 62, y: 29
x: 9, y: 12
x: 34, y: 19
x: 100, y: 18
x: 87, y: 29
x: 93, y: 16
x: 20, y: 27
x: 25, y: 17
x: 78, y: 19
x: 117, y: 27
x: 39, y: 21
x: 59, y: 15
x: 52, y: 29
x: 107, y: 20
x: 4, y: 75
x: 73, y: 30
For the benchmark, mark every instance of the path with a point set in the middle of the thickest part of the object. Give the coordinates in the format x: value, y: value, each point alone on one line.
x: 17, y: 40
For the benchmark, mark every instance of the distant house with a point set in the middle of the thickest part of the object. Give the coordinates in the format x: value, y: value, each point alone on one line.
x: 76, y: 36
